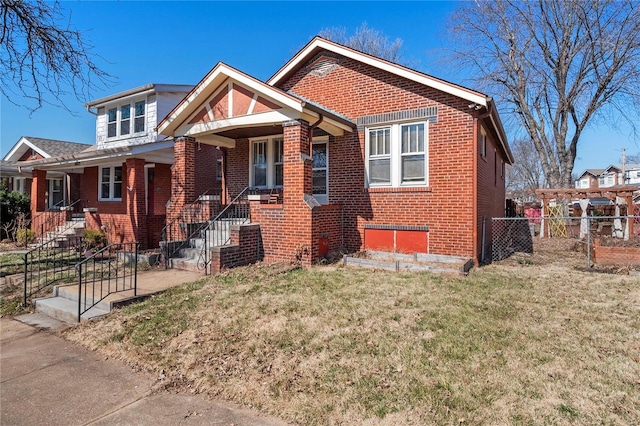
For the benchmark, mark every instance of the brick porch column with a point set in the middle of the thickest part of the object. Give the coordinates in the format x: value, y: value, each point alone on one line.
x: 297, y: 182
x: 136, y: 199
x: 38, y: 191
x: 183, y: 178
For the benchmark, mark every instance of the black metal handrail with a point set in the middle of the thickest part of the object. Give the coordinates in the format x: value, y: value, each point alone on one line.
x: 176, y: 233
x: 236, y: 212
x: 50, y: 263
x: 51, y: 220
x: 112, y: 269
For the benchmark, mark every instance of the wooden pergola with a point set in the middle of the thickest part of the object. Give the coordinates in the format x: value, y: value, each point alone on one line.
x: 625, y: 192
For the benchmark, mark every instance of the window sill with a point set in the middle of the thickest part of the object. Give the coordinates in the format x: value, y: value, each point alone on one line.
x: 376, y: 190
x: 109, y: 199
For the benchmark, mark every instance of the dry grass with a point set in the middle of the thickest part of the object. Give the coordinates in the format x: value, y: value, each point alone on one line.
x: 514, y: 343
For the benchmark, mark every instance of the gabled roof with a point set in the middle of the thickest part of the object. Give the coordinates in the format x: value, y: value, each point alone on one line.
x: 319, y: 44
x: 147, y: 88
x: 210, y: 109
x: 45, y: 147
x: 592, y: 172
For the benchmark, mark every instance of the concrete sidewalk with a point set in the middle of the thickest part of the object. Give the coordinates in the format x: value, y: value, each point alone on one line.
x: 45, y: 380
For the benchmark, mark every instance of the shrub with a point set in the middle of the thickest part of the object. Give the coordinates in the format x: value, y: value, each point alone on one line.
x: 14, y: 208
x: 25, y: 236
x: 94, y: 238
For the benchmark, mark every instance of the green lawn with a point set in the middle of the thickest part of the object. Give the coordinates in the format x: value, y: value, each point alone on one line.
x: 508, y: 344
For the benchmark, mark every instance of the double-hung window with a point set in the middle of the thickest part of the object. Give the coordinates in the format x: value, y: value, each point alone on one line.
x: 120, y: 117
x: 397, y: 155
x: 267, y: 162
x: 110, y: 185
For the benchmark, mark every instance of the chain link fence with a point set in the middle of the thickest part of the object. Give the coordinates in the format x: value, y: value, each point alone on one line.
x: 597, y: 240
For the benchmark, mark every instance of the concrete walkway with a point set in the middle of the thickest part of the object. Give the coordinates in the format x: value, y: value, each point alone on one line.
x: 45, y: 380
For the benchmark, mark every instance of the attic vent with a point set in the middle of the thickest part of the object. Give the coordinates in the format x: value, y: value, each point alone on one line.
x: 322, y: 66
x: 429, y: 114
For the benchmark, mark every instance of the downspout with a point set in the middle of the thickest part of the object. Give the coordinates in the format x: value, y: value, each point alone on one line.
x: 474, y: 190
x: 476, y: 122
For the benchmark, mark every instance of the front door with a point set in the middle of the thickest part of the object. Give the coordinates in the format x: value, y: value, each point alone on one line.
x: 151, y: 175
x: 55, y: 192
x: 321, y: 172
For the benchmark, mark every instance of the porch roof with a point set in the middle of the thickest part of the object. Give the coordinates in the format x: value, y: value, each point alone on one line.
x: 160, y: 152
x: 228, y: 104
x: 45, y: 147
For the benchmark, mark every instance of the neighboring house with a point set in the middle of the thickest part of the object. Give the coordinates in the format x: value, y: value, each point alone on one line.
x: 59, y: 187
x: 126, y: 175
x: 609, y: 177
x: 588, y: 179
x: 350, y: 152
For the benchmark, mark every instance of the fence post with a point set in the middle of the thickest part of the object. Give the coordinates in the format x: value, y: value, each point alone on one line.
x: 135, y: 271
x: 24, y: 302
x: 484, y: 225
x: 79, y: 266
x: 589, y: 242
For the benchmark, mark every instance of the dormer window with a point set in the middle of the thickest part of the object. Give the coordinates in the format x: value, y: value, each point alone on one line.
x: 119, y: 119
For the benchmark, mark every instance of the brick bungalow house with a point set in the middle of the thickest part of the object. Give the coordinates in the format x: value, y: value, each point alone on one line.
x: 124, y: 179
x: 347, y: 152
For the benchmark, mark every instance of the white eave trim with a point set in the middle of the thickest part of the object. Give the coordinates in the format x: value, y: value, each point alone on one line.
x: 24, y: 141
x: 221, y: 69
x: 477, y: 98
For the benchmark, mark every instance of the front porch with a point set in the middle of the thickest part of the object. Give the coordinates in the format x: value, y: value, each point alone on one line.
x: 275, y: 170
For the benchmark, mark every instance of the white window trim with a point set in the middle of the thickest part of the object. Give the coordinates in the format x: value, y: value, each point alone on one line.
x: 132, y: 117
x: 111, y: 183
x: 396, y: 156
x: 20, y: 185
x: 271, y: 170
x: 323, y: 198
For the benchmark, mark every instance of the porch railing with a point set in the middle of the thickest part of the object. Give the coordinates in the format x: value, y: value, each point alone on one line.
x: 177, y: 233
x: 53, y: 221
x: 111, y: 270
x: 217, y: 231
x: 51, y: 263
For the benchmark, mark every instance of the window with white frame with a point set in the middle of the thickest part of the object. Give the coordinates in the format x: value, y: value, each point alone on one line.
x: 219, y: 170
x: 483, y: 142
x: 119, y: 119
x: 267, y: 162
x: 397, y: 155
x: 20, y: 185
x: 110, y: 185
x: 321, y: 172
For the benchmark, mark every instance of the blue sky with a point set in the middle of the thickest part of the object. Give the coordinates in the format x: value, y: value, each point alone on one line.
x: 179, y: 42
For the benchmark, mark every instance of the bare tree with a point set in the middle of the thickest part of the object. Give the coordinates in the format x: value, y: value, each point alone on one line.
x: 526, y: 175
x: 42, y: 55
x: 366, y: 40
x: 559, y: 64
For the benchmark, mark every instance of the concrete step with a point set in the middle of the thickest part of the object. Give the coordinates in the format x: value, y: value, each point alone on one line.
x: 185, y: 264
x: 411, y: 262
x: 65, y: 309
x: 71, y: 293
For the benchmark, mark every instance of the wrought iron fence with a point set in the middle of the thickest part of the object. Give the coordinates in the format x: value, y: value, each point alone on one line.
x: 51, y: 263
x: 604, y: 240
x: 111, y: 270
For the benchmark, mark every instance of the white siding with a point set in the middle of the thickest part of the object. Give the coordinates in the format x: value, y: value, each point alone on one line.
x: 167, y: 101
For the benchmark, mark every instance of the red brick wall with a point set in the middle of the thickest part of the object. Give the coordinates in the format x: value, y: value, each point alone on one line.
x: 237, y: 177
x: 446, y: 205
x: 205, y: 168
x: 271, y: 218
x: 244, y: 249
x: 327, y: 222
x: 162, y: 188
